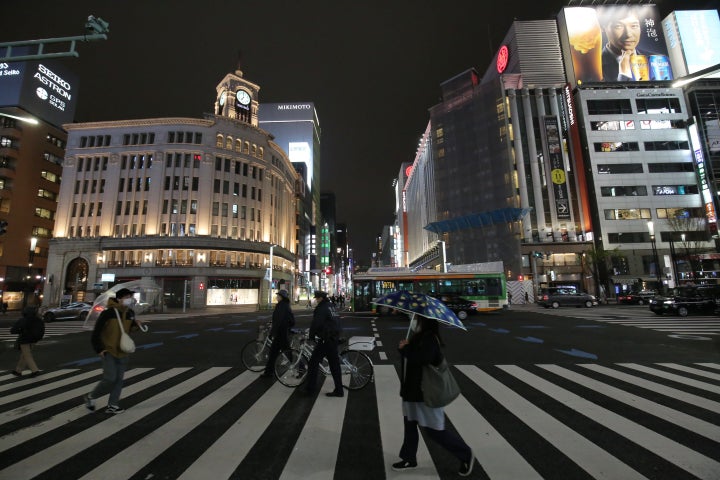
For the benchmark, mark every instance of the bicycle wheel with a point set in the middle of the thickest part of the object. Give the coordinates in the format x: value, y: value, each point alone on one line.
x: 291, y: 368
x: 255, y: 355
x: 357, y: 369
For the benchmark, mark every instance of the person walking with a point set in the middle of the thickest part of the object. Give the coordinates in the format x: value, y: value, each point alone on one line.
x: 283, y: 320
x: 30, y: 329
x: 106, y: 342
x: 326, y: 328
x: 424, y: 348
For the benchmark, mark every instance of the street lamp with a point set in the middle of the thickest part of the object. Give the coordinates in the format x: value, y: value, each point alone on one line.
x: 651, y: 231
x: 444, y: 256
x: 270, y: 275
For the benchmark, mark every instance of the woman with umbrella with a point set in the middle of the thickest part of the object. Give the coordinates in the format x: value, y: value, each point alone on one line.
x: 422, y: 348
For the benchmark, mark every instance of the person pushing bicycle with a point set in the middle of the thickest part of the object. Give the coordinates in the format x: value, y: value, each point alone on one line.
x: 326, y: 328
x: 282, y: 321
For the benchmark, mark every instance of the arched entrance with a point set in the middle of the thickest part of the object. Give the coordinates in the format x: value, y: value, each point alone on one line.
x: 76, y: 279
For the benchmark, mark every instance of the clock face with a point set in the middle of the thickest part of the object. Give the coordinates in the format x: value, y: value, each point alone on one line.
x: 221, y: 101
x: 242, y: 97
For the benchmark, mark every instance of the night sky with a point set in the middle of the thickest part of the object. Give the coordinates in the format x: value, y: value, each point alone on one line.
x: 372, y: 68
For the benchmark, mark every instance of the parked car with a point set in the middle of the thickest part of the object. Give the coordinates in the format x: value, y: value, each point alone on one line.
x: 637, y: 298
x: 462, y: 307
x: 559, y: 297
x: 71, y: 311
x: 687, y: 299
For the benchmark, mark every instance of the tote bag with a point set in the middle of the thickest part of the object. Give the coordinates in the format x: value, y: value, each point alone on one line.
x: 127, y: 344
x: 438, y: 385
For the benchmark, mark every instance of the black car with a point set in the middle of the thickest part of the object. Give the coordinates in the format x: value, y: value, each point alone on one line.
x: 462, y: 307
x: 688, y: 299
x: 636, y: 298
x: 71, y: 311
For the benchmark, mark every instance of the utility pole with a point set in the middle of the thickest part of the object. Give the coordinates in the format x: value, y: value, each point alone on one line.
x: 96, y: 29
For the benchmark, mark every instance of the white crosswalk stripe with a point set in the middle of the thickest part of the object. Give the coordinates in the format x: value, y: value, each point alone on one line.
x: 53, y: 329
x: 642, y: 318
x: 603, y: 421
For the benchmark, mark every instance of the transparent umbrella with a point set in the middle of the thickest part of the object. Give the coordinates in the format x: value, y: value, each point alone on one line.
x: 148, y: 296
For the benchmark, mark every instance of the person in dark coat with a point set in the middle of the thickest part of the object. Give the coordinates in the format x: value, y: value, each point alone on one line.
x: 326, y: 329
x: 30, y: 329
x: 283, y: 320
x: 106, y: 343
x: 424, y: 348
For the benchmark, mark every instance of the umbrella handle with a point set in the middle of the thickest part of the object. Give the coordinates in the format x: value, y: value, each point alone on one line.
x: 412, y: 319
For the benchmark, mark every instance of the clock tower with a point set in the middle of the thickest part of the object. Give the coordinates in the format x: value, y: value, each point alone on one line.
x: 237, y: 98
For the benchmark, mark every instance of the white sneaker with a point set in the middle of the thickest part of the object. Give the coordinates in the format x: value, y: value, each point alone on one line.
x: 114, y: 409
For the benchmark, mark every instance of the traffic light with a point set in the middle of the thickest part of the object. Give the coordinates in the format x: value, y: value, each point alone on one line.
x: 3, y: 227
x: 328, y: 270
x: 202, y: 286
x: 537, y: 254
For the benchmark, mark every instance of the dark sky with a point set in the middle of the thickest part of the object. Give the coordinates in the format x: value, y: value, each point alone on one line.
x: 372, y: 68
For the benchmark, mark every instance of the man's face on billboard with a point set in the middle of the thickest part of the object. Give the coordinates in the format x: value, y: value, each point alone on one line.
x: 623, y: 33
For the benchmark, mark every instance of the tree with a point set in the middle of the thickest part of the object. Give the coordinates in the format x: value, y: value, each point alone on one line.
x: 690, y: 234
x: 597, y: 260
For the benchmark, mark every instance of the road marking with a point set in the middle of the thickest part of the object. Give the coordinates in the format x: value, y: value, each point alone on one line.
x: 689, y: 460
x: 656, y: 387
x: 588, y: 456
x: 671, y: 376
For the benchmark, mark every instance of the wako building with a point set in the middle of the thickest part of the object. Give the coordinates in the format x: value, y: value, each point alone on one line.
x: 203, y: 206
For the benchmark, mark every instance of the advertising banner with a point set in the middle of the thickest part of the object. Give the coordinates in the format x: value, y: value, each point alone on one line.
x: 557, y: 168
x: 619, y: 43
x: 46, y: 89
x: 693, y: 38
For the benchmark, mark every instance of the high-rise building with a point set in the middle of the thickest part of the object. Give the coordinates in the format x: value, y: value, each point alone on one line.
x: 204, y: 208
x: 31, y: 156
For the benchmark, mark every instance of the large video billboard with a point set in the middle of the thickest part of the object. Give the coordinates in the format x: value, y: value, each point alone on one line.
x: 620, y: 43
x: 46, y: 89
x: 693, y: 38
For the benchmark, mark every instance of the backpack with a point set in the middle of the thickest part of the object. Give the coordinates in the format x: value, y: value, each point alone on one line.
x: 36, y: 330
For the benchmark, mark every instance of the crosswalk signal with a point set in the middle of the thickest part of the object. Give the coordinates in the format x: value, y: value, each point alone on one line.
x: 3, y: 227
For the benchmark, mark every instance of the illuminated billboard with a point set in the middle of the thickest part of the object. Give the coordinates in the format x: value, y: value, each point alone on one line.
x: 620, y: 43
x: 45, y: 89
x: 693, y: 38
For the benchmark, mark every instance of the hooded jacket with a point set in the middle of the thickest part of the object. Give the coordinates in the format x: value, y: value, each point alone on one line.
x: 106, y: 334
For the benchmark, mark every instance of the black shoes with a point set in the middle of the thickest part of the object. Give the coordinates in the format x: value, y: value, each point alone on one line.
x: 404, y: 465
x: 36, y: 373
x: 335, y: 393
x: 16, y: 373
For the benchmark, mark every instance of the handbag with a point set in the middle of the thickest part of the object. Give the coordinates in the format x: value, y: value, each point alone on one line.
x: 127, y: 344
x: 438, y: 385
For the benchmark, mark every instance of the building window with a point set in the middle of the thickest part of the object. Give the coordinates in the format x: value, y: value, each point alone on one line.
x: 609, y: 107
x: 673, y: 167
x: 620, y: 168
x: 667, y: 145
x: 629, y: 237
x: 617, y: 147
x: 658, y: 105
x: 624, y: 191
x: 680, y: 212
x: 613, y: 125
x: 675, y: 189
x: 627, y: 214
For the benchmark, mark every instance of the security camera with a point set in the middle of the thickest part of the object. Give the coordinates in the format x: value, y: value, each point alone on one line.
x: 97, y: 25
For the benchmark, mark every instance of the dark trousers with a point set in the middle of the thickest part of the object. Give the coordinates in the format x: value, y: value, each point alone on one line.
x: 449, y: 440
x: 329, y: 350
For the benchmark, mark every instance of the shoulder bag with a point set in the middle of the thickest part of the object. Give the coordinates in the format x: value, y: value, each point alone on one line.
x: 438, y: 385
x: 127, y: 344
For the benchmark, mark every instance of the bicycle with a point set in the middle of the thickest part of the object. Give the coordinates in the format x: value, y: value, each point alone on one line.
x: 255, y: 353
x: 291, y: 366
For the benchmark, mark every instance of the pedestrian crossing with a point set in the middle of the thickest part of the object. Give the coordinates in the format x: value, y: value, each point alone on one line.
x: 694, y: 325
x: 530, y: 421
x: 51, y: 330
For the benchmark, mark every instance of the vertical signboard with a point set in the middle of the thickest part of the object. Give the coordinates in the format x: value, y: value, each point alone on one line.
x: 618, y: 43
x: 693, y: 40
x: 557, y: 167
x: 700, y: 169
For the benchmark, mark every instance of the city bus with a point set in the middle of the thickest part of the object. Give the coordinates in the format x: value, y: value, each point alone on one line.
x: 488, y: 290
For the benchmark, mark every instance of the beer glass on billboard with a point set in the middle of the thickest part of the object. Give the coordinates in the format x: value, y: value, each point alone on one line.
x: 585, y: 38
